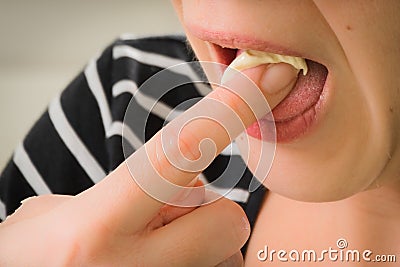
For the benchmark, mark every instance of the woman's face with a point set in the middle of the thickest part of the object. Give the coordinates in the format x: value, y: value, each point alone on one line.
x: 346, y: 141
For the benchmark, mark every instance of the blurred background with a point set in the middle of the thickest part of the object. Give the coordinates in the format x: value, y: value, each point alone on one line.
x: 45, y: 43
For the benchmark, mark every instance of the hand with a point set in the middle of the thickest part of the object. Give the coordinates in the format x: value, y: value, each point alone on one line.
x: 115, y: 223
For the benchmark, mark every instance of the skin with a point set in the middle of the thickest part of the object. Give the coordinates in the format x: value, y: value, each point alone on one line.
x: 362, y: 99
x: 115, y: 223
x: 351, y: 156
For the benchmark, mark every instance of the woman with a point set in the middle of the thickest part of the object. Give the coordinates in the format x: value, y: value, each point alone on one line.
x: 334, y: 174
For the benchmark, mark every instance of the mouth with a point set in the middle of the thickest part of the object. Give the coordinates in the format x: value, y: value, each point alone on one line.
x: 295, y: 115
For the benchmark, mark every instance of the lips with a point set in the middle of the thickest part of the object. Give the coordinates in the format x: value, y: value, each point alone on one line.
x: 295, y: 114
x: 300, y: 109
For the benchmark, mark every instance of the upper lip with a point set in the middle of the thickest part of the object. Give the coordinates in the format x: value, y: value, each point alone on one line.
x: 234, y: 40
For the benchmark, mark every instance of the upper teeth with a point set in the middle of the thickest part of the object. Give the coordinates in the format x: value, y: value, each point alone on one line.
x: 252, y: 58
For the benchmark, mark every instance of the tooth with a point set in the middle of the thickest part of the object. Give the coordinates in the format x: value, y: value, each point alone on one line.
x: 252, y: 58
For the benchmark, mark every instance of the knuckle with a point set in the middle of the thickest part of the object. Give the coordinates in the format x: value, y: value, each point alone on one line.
x: 197, y: 146
x: 173, y: 159
x: 189, y: 144
x: 81, y: 240
x: 70, y: 247
x: 160, y: 161
x: 81, y: 243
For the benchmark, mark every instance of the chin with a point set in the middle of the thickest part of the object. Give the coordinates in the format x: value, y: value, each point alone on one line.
x: 297, y: 172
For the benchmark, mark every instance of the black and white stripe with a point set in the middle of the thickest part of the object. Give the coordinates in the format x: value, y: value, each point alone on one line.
x: 3, y: 213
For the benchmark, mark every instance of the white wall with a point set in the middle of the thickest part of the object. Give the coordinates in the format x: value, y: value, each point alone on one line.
x: 45, y: 43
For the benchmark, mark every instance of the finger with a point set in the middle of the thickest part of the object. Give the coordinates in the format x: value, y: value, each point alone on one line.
x: 236, y: 260
x: 220, y: 117
x: 205, y: 237
x: 33, y: 206
x: 273, y: 79
x: 169, y: 213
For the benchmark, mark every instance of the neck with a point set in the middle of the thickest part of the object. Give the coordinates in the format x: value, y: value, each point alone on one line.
x: 374, y: 217
x: 368, y: 220
x: 382, y: 203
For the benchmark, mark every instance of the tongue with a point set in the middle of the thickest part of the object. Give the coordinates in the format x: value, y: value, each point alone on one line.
x: 304, y: 94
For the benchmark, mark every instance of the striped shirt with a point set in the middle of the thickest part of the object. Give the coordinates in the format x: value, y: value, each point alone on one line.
x: 78, y: 140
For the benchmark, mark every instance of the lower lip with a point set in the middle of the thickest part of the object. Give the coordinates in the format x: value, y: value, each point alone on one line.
x: 293, y: 128
x: 287, y: 130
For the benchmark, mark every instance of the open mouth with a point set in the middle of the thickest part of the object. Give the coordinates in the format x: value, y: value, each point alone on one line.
x: 298, y: 110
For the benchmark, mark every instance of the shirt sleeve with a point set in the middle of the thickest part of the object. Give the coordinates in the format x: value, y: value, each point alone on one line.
x: 78, y: 139
x: 67, y: 149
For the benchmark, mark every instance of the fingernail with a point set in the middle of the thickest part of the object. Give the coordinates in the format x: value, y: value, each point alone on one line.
x: 228, y: 75
x: 277, y: 77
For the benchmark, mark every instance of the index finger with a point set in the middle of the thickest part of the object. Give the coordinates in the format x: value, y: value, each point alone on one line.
x: 179, y: 152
